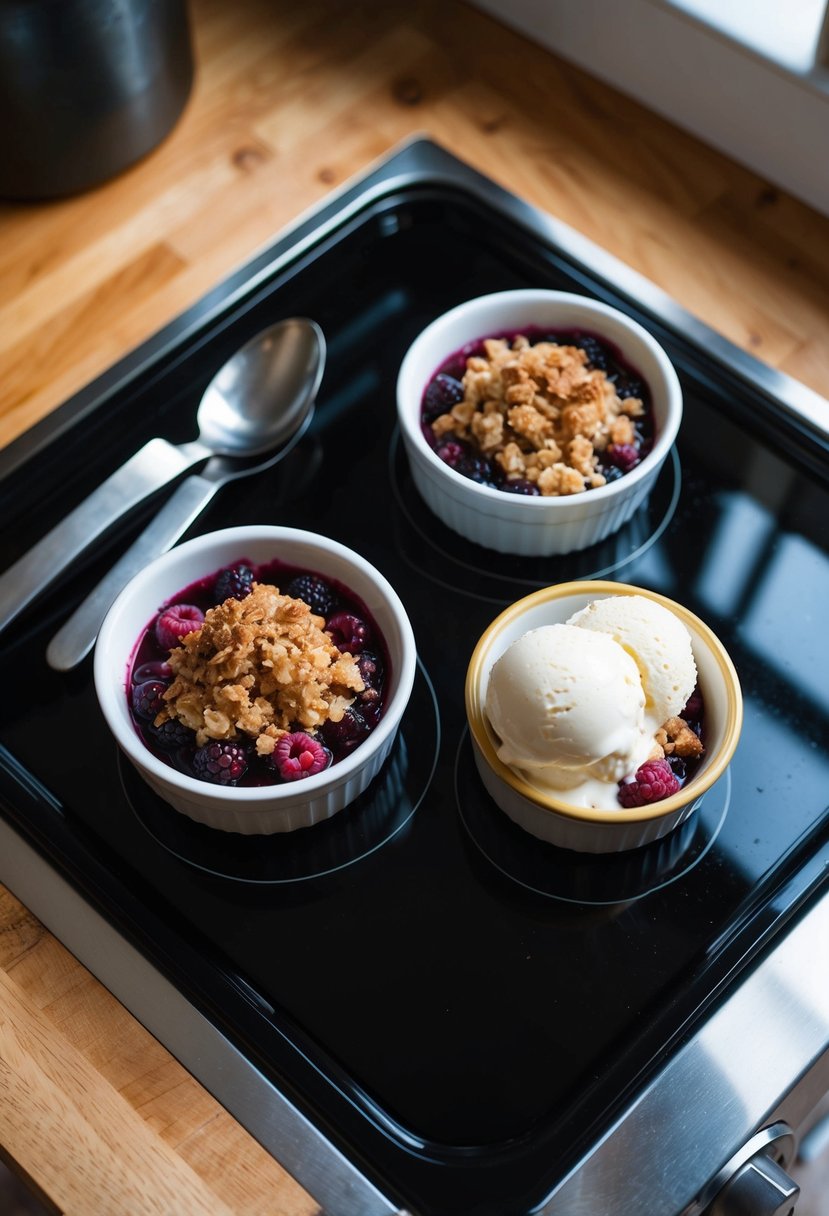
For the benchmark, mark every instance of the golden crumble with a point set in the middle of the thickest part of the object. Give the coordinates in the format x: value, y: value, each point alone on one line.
x: 541, y: 413
x: 259, y: 667
x: 676, y: 738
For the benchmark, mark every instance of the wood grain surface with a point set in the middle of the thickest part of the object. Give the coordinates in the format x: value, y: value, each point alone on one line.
x: 290, y: 101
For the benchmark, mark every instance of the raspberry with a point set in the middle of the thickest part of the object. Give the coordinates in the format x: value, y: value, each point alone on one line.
x: 147, y: 698
x: 441, y: 394
x: 299, y: 755
x: 348, y: 632
x: 624, y: 456
x: 221, y: 763
x: 654, y: 781
x: 171, y: 735
x: 175, y: 623
x: 316, y: 593
x: 233, y: 583
x: 451, y: 453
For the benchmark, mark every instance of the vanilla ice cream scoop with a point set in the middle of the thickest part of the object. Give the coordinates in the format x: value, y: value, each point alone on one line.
x: 568, y: 707
x: 658, y: 643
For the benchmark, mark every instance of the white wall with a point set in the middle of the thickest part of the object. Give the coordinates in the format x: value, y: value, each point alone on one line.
x: 759, y: 111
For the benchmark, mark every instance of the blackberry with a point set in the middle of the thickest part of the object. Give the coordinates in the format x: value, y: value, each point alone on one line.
x: 629, y: 386
x: 441, y: 394
x: 520, y: 485
x: 348, y: 632
x: 371, y: 669
x: 693, y: 707
x: 234, y: 582
x: 678, y: 767
x: 148, y: 698
x: 371, y: 707
x: 343, y: 736
x: 597, y: 353
x: 370, y: 700
x: 624, y: 456
x: 171, y: 735
x: 316, y: 593
x: 221, y: 763
x: 476, y: 468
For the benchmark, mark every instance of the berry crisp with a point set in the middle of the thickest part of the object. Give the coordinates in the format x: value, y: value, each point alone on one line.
x: 237, y: 682
x: 538, y: 413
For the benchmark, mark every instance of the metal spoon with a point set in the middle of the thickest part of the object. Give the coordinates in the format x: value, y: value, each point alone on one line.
x: 255, y: 402
x: 76, y: 637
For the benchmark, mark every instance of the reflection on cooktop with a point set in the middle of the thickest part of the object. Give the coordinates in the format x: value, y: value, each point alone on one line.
x: 583, y: 878
x: 441, y: 555
x: 285, y: 857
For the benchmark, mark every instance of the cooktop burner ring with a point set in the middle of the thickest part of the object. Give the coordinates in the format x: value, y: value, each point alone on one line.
x: 597, y: 880
x: 374, y: 819
x: 502, y: 578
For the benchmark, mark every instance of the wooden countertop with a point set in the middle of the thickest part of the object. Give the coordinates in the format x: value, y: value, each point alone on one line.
x: 291, y: 100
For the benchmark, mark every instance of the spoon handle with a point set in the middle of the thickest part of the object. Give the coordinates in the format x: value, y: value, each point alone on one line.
x: 152, y: 467
x: 76, y: 637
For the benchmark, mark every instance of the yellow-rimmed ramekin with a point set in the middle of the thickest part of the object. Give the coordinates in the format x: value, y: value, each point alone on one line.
x: 552, y: 818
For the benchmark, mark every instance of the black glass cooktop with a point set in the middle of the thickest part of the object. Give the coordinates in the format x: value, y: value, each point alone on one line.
x: 460, y: 1007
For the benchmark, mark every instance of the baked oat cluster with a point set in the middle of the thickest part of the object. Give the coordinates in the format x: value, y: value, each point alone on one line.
x: 676, y: 738
x: 544, y: 416
x: 259, y: 667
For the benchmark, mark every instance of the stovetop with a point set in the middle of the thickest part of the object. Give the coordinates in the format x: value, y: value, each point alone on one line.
x: 460, y: 1009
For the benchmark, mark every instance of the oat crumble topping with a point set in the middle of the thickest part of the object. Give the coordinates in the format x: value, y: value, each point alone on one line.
x: 541, y: 412
x: 259, y: 667
x: 676, y: 738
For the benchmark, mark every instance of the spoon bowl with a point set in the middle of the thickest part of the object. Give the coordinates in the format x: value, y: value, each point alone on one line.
x: 303, y: 373
x: 253, y: 404
x: 258, y: 398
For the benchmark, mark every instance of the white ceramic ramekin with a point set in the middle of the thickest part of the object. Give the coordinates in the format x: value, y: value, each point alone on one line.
x: 259, y: 810
x: 512, y: 523
x: 552, y: 818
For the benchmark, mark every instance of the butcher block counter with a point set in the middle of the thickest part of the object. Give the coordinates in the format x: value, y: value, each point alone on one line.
x: 289, y: 102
